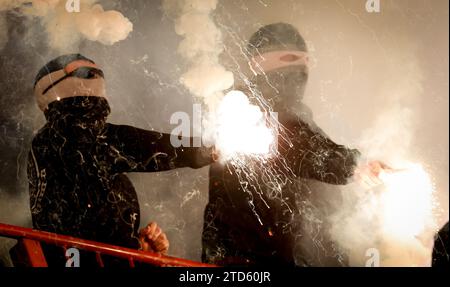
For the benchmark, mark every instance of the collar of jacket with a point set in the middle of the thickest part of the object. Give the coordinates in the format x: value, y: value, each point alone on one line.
x: 86, y: 112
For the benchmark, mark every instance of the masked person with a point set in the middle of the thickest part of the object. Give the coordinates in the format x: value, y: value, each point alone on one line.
x: 244, y: 223
x: 78, y: 162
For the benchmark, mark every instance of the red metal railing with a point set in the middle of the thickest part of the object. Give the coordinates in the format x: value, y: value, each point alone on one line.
x: 29, y: 245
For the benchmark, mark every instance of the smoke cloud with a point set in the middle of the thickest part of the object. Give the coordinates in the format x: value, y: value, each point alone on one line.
x: 66, y: 29
x: 201, y: 47
x: 395, y: 218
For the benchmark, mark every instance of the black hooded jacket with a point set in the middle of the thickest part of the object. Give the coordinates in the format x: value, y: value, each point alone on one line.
x: 247, y: 221
x: 77, y: 171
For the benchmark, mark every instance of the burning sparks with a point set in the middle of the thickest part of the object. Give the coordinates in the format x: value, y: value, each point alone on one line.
x: 242, y: 128
x: 407, y: 202
x: 397, y: 218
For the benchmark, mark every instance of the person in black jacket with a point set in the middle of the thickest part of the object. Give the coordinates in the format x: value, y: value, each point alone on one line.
x: 261, y: 219
x: 440, y: 255
x: 78, y: 162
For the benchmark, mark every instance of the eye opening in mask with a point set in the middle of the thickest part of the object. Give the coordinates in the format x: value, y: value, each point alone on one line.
x: 87, y: 73
x: 82, y: 73
x: 289, y: 58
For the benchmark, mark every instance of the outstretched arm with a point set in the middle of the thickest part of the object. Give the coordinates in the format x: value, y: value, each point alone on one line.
x: 138, y: 150
x: 313, y: 155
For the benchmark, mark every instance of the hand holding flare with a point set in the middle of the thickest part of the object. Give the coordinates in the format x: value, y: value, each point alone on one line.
x: 369, y: 174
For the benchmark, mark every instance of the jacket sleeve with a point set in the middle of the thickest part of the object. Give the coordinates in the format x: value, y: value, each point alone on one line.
x: 138, y: 150
x: 313, y: 155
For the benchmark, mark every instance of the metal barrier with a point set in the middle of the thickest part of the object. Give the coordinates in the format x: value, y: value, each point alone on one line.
x: 29, y: 245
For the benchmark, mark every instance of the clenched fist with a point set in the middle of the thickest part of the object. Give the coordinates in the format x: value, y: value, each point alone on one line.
x: 152, y: 238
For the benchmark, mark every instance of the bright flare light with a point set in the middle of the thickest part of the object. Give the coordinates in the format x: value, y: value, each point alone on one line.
x: 241, y: 128
x: 407, y: 202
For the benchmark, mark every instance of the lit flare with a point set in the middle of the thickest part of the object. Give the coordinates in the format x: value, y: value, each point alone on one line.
x: 242, y: 128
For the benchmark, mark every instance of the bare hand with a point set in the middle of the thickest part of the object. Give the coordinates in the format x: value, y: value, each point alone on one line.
x: 216, y: 154
x: 152, y: 238
x: 368, y: 174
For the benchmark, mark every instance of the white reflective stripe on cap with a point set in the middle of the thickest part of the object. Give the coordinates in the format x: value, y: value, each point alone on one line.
x: 69, y: 87
x: 278, y: 59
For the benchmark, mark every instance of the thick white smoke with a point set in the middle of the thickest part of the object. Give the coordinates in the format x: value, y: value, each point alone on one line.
x: 65, y: 29
x: 201, y: 47
x: 396, y: 218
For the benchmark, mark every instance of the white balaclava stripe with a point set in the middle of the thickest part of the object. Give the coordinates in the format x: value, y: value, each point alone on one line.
x: 274, y: 60
x: 276, y: 46
x: 69, y: 87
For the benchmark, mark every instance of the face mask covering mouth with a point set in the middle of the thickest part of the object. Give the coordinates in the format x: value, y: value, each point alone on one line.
x: 287, y: 82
